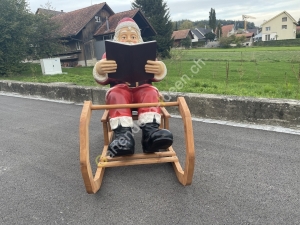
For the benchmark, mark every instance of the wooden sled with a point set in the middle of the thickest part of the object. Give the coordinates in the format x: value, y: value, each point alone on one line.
x: 93, y: 183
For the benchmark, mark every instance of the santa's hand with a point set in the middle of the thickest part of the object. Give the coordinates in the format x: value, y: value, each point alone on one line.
x: 153, y: 67
x: 104, y: 67
x: 157, y: 67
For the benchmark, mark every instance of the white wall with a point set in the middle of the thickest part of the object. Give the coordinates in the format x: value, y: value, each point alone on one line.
x: 276, y: 28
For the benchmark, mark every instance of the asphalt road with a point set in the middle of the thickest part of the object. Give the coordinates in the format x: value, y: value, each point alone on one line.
x: 242, y: 175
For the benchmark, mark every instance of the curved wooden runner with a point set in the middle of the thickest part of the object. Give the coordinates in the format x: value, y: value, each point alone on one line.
x: 93, y: 182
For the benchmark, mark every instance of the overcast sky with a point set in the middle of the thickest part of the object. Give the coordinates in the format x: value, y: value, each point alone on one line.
x: 193, y: 9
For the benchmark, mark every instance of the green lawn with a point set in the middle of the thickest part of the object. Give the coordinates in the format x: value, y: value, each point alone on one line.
x: 247, y: 54
x: 243, y: 79
x: 259, y: 71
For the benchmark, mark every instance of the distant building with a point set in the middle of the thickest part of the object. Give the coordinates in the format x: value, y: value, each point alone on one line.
x: 280, y: 27
x: 228, y: 30
x: 48, y: 12
x: 257, y: 37
x: 249, y: 38
x: 179, y: 35
x: 199, y: 34
x: 85, y: 31
x: 254, y: 31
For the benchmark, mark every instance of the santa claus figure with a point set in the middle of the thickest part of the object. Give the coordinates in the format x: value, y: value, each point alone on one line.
x: 121, y: 92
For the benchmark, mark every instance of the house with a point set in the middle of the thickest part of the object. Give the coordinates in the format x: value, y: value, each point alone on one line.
x: 298, y: 29
x: 249, y: 38
x: 280, y: 27
x: 85, y: 30
x: 255, y: 31
x: 48, y: 12
x: 107, y: 30
x: 179, y: 35
x: 199, y: 34
x: 77, y: 29
x: 257, y: 37
x: 228, y: 30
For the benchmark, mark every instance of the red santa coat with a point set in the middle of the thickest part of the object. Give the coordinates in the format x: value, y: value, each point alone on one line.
x: 122, y: 93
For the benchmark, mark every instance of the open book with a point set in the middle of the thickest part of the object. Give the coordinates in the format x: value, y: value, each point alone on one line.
x: 131, y: 60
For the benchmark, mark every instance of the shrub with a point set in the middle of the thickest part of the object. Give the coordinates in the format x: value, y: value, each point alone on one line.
x: 187, y: 42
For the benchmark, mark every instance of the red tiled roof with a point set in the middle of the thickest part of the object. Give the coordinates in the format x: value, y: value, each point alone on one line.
x: 113, y: 21
x: 298, y: 28
x: 247, y: 35
x: 72, y: 23
x: 226, y: 29
x: 180, y: 34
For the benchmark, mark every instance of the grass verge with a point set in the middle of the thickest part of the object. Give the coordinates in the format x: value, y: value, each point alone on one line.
x: 272, y: 72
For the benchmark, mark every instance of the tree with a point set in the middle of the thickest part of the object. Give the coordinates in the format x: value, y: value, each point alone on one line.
x: 157, y: 12
x: 23, y: 35
x: 48, y: 5
x: 210, y: 36
x: 212, y: 19
x: 299, y: 22
x: 187, y: 24
x: 15, y: 27
x: 45, y: 41
x: 226, y: 41
x: 175, y: 25
x: 239, y: 40
x: 205, y: 23
x: 219, y: 30
x: 202, y: 23
x: 187, y: 42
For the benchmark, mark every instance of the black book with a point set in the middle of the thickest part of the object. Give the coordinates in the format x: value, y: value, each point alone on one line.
x: 131, y: 60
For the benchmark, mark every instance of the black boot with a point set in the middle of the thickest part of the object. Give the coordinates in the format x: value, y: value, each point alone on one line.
x: 122, y: 143
x: 155, y: 138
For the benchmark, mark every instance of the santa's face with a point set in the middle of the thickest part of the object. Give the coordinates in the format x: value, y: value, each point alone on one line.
x: 128, y: 35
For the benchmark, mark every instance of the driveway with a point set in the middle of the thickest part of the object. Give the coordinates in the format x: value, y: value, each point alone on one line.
x: 242, y: 175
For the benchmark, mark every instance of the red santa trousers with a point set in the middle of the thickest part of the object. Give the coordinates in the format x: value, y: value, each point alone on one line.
x: 122, y: 94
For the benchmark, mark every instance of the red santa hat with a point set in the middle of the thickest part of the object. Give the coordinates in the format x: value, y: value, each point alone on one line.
x: 130, y: 23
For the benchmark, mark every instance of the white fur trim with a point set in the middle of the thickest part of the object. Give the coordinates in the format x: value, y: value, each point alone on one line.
x: 127, y: 24
x: 147, y: 117
x: 159, y: 77
x: 99, y: 77
x: 125, y: 121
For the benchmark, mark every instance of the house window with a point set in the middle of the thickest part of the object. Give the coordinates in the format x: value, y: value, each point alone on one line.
x: 267, y: 37
x: 268, y: 28
x: 97, y: 19
x: 284, y: 26
x: 284, y: 19
x: 78, y: 46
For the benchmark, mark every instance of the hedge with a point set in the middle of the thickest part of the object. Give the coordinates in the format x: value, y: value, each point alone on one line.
x: 274, y: 43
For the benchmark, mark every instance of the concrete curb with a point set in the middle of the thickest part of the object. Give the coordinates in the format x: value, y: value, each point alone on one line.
x: 277, y: 112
